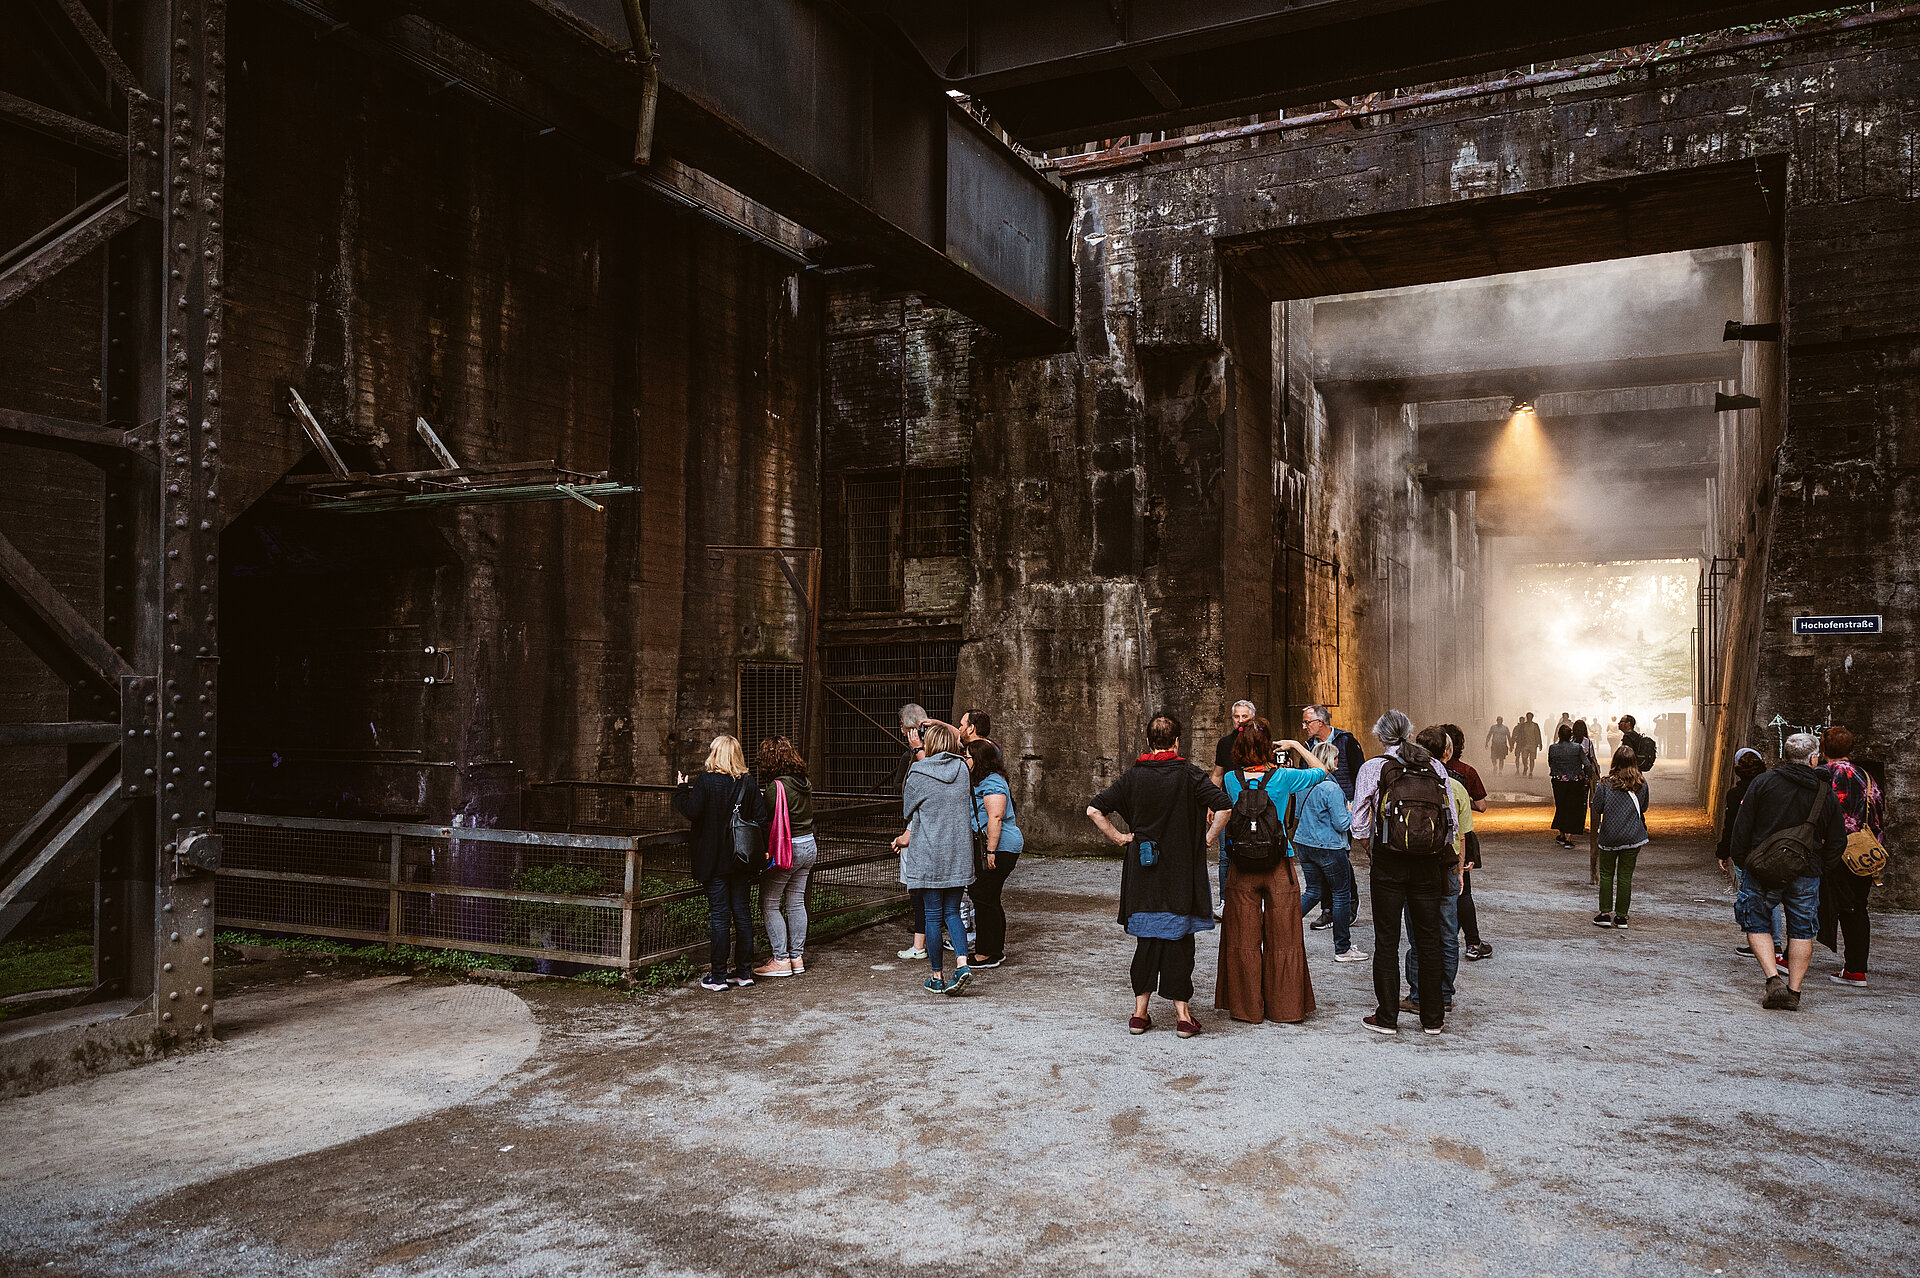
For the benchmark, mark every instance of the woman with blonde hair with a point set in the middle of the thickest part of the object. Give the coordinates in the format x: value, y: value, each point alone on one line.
x: 936, y: 848
x: 724, y: 789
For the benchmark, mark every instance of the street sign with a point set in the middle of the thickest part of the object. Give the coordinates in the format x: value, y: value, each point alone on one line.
x: 1858, y: 625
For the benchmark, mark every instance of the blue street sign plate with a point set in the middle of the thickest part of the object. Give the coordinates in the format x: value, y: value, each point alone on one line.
x: 1857, y: 625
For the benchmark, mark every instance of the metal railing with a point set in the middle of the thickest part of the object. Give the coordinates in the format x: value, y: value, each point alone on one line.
x: 604, y: 885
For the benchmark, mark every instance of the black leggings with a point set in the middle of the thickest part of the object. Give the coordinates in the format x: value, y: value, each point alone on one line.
x: 1469, y: 915
x: 989, y: 916
x: 1168, y: 964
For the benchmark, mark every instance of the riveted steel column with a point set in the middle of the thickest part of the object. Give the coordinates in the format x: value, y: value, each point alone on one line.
x: 181, y: 594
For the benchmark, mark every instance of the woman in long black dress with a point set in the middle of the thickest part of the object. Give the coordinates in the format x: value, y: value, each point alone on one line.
x: 1567, y: 766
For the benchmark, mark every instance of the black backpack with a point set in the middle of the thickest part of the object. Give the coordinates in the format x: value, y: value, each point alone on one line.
x: 1792, y: 853
x: 1645, y: 751
x: 1256, y: 842
x: 1411, y: 811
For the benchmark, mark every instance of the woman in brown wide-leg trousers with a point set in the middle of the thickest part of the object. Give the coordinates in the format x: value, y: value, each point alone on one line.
x: 1262, y: 972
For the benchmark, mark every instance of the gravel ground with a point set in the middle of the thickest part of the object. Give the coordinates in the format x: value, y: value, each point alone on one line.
x: 1602, y: 1103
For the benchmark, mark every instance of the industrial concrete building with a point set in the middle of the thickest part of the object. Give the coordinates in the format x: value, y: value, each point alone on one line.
x: 396, y: 435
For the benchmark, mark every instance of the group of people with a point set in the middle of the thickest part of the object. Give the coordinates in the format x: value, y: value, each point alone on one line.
x: 1803, y: 841
x: 961, y: 839
x: 1284, y: 814
x: 1285, y: 833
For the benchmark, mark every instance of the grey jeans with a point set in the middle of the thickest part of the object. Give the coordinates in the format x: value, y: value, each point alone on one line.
x: 783, y: 894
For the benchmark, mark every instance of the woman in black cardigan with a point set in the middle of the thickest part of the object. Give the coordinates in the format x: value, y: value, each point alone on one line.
x: 708, y: 801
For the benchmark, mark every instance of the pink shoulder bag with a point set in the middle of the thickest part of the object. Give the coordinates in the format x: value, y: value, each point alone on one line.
x: 780, y: 832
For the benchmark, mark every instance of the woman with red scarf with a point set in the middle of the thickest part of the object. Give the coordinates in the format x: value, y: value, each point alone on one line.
x: 1164, y: 894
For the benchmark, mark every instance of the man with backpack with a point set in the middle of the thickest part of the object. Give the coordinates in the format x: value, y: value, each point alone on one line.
x: 1644, y: 749
x: 1788, y: 833
x: 1403, y: 811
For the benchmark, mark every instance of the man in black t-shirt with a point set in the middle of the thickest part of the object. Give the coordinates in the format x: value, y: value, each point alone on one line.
x: 1243, y: 712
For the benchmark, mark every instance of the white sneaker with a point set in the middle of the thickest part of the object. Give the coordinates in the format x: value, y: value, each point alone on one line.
x: 1352, y: 956
x: 911, y: 954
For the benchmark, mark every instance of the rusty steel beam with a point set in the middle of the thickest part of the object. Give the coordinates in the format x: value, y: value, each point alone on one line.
x: 42, y: 431
x: 50, y: 625
x: 68, y: 240
x: 61, y: 126
x: 70, y: 733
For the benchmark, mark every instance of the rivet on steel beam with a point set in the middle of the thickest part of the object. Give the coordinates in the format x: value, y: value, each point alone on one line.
x: 166, y: 967
x: 200, y: 1029
x: 206, y: 900
x: 173, y: 936
x: 166, y: 1016
x: 167, y: 908
x: 204, y: 960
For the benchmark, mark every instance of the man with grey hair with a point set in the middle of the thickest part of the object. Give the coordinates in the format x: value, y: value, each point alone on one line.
x: 1405, y: 881
x: 1317, y: 730
x: 1788, y: 833
x: 1243, y: 713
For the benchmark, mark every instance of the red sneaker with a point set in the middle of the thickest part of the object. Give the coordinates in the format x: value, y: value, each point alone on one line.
x: 1186, y: 1029
x: 1139, y: 1024
x: 1843, y: 977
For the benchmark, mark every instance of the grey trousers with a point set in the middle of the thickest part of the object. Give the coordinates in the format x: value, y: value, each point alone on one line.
x: 783, y: 895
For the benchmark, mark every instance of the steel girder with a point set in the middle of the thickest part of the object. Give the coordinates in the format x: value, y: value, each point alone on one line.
x: 143, y: 683
x: 790, y: 102
x: 1055, y: 72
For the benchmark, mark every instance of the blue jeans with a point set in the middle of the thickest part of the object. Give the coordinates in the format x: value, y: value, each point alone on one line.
x: 1449, y: 941
x: 730, y: 906
x: 1328, y: 874
x: 943, y: 907
x: 1754, y: 906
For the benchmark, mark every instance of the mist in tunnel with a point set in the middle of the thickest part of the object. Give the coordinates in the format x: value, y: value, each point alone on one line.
x: 1592, y: 640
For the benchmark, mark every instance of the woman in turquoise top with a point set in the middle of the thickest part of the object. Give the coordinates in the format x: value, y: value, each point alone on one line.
x: 1262, y: 971
x: 992, y: 814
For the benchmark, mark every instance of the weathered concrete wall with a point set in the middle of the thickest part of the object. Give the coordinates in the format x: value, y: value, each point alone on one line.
x: 417, y: 258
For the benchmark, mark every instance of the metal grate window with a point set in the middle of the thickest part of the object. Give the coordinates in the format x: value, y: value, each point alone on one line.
x: 936, y: 521
x: 771, y: 702
x: 866, y: 686
x: 869, y: 542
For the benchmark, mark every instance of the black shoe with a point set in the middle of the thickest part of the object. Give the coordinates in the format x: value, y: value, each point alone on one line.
x: 990, y: 962
x: 1620, y: 922
x: 1778, y: 997
x: 1325, y: 920
x: 740, y: 979
x: 1603, y: 920
x: 1745, y: 951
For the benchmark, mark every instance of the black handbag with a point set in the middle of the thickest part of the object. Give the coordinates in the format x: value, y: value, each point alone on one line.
x: 979, y: 838
x: 749, y: 840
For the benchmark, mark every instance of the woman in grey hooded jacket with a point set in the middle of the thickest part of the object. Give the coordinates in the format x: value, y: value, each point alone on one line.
x: 936, y: 849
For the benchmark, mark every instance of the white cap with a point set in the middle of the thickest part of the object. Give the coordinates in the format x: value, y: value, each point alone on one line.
x: 1744, y: 750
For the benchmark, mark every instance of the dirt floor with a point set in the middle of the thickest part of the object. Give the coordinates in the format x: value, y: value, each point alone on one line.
x: 1601, y: 1103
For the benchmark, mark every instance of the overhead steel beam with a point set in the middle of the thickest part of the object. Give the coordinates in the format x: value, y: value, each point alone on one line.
x: 69, y: 733
x: 1062, y: 71
x: 1534, y: 380
x: 804, y: 110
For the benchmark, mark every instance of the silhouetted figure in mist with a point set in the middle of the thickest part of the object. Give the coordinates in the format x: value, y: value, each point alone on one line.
x: 1499, y: 739
x: 1526, y: 745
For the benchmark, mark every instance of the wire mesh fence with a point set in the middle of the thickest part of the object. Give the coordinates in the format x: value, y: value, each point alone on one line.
x: 606, y: 883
